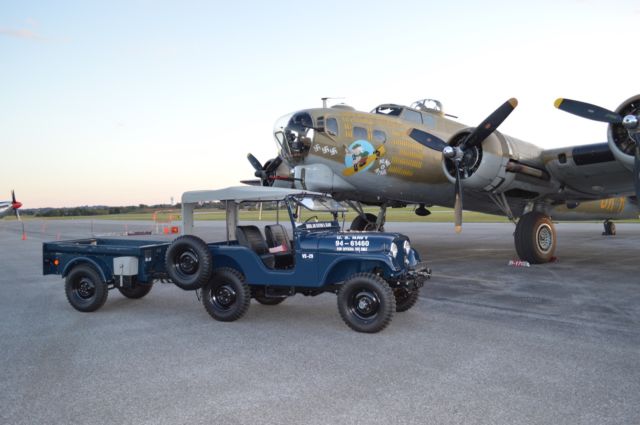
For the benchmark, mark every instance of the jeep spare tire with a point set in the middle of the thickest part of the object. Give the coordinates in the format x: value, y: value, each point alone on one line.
x: 188, y: 262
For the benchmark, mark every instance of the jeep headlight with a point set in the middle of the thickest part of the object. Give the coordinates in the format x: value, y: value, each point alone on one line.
x: 407, y: 247
x: 394, y: 250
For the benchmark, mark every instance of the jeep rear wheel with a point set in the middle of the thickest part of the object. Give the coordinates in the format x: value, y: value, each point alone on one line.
x: 366, y: 303
x: 135, y: 291
x: 268, y: 300
x: 226, y: 297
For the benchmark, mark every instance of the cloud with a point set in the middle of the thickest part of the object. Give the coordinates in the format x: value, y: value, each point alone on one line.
x: 21, y: 33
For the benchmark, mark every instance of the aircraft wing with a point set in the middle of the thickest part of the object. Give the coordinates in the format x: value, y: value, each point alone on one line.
x: 587, y: 172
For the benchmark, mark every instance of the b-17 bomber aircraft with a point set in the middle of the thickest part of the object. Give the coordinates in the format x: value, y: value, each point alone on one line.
x: 10, y: 207
x: 396, y: 156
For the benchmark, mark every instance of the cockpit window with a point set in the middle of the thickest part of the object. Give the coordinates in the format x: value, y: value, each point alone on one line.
x: 332, y: 126
x: 413, y: 116
x: 393, y: 110
x: 303, y: 120
x: 360, y: 133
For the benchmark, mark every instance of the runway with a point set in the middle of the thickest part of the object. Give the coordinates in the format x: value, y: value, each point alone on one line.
x: 486, y: 344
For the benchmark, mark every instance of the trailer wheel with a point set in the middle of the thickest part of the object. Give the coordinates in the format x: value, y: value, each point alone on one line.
x: 405, y: 298
x: 188, y: 262
x: 366, y: 303
x: 226, y: 297
x: 135, y: 291
x: 85, y: 289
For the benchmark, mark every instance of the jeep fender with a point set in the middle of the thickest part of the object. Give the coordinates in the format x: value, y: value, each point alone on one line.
x: 341, y: 269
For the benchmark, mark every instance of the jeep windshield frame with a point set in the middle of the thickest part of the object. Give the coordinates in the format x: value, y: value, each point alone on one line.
x: 315, y: 204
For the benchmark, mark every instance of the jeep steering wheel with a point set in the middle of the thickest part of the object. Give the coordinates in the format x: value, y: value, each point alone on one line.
x: 311, y: 218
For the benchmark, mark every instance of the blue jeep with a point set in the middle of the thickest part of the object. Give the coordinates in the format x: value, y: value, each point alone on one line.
x: 374, y: 274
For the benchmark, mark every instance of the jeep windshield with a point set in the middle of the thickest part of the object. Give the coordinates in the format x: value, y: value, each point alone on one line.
x: 321, y: 204
x: 318, y: 213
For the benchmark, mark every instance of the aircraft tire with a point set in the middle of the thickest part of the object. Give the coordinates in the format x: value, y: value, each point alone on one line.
x: 136, y: 291
x: 361, y: 224
x: 405, y: 298
x: 227, y: 296
x: 188, y: 262
x: 366, y: 303
x: 535, y: 238
x: 85, y: 289
x: 609, y: 228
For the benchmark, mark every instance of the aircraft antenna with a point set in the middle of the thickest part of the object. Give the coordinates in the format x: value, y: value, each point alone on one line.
x: 324, y: 100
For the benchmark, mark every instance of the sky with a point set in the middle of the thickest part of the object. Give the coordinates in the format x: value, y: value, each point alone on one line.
x: 129, y: 102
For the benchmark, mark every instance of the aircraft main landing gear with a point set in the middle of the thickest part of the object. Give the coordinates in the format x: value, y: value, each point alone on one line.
x: 535, y: 238
x: 609, y: 228
x: 367, y: 221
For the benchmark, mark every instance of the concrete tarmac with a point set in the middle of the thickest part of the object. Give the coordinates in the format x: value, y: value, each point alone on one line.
x: 486, y: 344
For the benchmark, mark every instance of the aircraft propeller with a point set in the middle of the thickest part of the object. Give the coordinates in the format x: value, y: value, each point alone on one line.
x: 265, y: 173
x: 15, y: 205
x: 461, y: 156
x: 597, y: 113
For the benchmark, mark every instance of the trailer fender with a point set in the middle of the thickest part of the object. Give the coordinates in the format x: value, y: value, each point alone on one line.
x: 85, y: 260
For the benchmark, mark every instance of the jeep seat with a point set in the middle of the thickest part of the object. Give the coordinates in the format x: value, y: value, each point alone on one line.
x: 251, y: 237
x: 277, y: 236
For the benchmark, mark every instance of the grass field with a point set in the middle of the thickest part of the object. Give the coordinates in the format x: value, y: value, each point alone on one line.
x: 438, y: 215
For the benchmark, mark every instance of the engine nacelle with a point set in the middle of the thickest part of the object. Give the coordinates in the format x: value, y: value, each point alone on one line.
x: 621, y: 145
x: 487, y: 163
x: 319, y: 178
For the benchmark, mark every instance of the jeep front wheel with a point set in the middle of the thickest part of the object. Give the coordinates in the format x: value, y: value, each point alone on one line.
x: 366, y: 303
x: 405, y: 298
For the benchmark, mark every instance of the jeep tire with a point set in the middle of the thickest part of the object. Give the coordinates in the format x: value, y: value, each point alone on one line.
x: 135, y: 291
x: 268, y: 300
x: 188, y: 262
x: 366, y: 303
x: 226, y: 296
x: 405, y: 298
